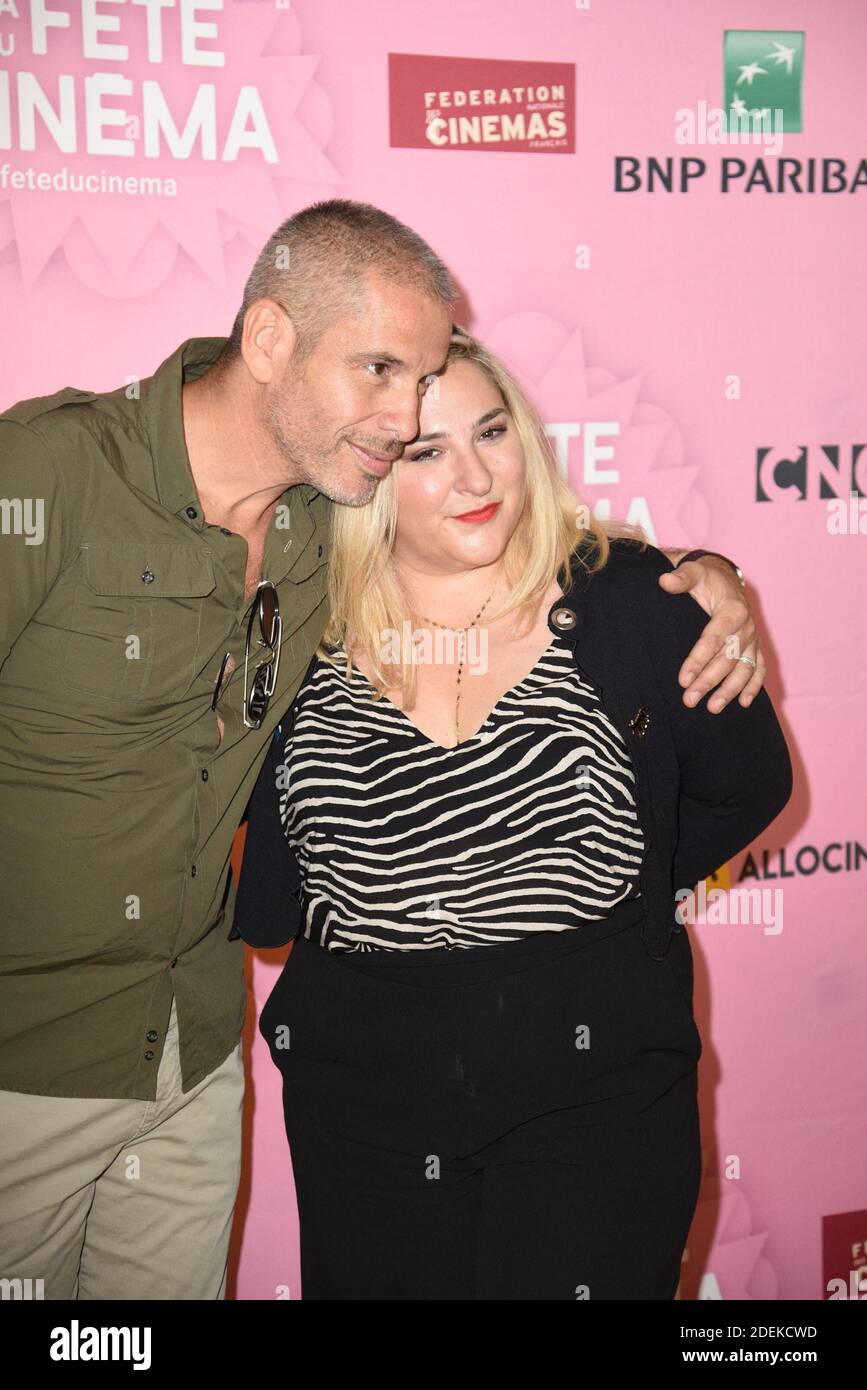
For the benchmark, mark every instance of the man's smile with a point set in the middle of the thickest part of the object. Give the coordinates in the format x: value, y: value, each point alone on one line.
x: 377, y: 464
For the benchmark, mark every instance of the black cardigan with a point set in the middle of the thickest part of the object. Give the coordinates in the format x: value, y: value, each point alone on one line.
x: 707, y: 784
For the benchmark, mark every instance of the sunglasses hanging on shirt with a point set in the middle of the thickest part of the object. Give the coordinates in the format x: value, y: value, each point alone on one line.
x: 264, y: 613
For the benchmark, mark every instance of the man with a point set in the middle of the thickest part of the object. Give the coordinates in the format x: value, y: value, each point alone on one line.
x: 142, y: 673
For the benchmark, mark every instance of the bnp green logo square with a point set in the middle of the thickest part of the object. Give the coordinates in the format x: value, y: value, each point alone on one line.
x: 763, y: 72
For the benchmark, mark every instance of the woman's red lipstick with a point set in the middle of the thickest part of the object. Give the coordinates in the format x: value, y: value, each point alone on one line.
x: 483, y: 513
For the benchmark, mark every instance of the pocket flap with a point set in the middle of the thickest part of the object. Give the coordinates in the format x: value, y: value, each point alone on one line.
x: 140, y: 569
x: 310, y: 559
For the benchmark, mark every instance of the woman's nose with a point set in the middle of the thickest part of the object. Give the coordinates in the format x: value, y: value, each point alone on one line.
x: 471, y: 474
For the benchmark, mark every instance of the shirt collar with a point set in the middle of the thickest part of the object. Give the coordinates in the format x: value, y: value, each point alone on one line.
x: 164, y: 421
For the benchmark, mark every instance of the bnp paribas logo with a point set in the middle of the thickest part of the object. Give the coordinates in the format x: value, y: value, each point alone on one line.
x: 763, y: 74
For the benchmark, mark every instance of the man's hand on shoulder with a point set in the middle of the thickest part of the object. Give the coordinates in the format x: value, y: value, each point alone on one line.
x: 730, y: 634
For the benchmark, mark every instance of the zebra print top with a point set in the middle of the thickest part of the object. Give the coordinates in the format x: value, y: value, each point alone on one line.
x: 405, y: 845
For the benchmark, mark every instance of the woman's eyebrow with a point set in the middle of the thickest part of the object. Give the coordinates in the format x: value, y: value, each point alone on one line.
x: 483, y: 420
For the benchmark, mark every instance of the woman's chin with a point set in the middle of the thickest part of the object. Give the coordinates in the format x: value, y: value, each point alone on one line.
x: 478, y: 557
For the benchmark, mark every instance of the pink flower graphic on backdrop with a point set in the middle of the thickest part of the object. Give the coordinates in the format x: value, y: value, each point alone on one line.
x: 735, y: 1267
x: 104, y: 234
x: 589, y: 408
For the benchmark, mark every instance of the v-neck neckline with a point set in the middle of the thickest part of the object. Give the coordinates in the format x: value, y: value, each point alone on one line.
x: 451, y: 747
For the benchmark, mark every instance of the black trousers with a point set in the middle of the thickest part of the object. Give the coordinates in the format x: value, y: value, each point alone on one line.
x: 504, y: 1122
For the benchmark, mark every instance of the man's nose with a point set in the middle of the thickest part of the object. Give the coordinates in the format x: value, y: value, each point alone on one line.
x: 400, y: 417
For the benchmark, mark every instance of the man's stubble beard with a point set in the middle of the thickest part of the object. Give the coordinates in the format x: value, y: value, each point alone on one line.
x: 297, y: 452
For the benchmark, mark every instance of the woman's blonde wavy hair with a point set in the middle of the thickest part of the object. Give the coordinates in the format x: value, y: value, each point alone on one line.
x: 365, y: 595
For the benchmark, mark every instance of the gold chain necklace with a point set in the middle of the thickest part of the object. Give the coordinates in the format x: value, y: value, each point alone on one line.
x: 463, y: 632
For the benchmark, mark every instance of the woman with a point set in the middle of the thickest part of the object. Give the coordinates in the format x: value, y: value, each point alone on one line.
x: 485, y: 1026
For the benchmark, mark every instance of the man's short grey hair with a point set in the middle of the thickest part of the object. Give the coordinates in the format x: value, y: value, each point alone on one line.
x: 316, y: 265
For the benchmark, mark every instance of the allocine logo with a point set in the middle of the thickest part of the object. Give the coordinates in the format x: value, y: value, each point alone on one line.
x: 763, y: 71
x: 483, y: 104
x: 836, y: 857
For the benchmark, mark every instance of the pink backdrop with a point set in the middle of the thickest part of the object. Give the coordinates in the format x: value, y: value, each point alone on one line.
x: 674, y: 341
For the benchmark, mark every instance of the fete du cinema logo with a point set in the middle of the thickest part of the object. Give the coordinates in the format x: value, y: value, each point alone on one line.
x: 489, y: 104
x: 129, y: 126
x: 763, y: 74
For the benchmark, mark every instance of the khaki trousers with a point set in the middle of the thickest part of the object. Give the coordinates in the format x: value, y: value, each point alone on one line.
x: 122, y: 1199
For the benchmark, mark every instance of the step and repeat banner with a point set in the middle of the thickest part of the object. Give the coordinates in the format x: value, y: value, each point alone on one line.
x: 657, y: 213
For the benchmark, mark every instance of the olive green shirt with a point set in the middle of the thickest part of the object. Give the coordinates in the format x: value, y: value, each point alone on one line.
x: 118, y: 801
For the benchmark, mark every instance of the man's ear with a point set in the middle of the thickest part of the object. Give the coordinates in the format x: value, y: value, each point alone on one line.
x: 268, y: 340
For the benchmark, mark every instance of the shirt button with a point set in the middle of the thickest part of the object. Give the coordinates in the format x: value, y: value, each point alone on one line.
x: 320, y: 550
x: 148, y: 577
x: 204, y: 774
x: 191, y: 512
x: 174, y: 962
x: 193, y: 871
x: 151, y: 1035
x: 149, y: 1056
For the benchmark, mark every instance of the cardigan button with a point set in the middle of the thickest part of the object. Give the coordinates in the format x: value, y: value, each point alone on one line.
x: 564, y: 618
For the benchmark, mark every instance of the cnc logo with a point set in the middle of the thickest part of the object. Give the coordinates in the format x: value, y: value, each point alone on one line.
x: 830, y: 472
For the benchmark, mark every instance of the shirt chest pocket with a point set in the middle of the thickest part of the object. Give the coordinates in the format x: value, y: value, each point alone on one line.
x: 135, y: 625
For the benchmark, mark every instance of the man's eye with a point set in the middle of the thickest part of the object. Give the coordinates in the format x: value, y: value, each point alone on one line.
x: 385, y: 366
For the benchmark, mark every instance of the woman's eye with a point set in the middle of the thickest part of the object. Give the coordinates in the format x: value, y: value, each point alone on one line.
x: 492, y: 430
